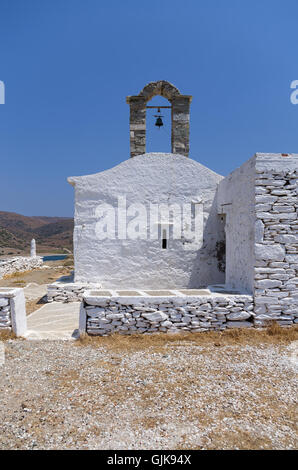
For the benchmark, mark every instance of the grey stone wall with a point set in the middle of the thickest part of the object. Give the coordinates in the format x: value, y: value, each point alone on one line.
x: 180, y: 125
x: 180, y: 117
x: 128, y: 315
x: 67, y: 292
x: 276, y: 239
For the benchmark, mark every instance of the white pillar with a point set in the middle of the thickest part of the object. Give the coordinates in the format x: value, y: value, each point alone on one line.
x: 33, y: 248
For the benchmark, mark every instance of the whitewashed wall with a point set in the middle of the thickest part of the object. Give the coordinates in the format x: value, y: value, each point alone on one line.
x: 236, y: 200
x: 13, y: 310
x: 19, y: 264
x: 150, y: 178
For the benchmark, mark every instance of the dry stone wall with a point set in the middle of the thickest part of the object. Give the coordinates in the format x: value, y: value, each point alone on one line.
x: 276, y: 239
x: 19, y: 264
x: 127, y: 315
x: 68, y: 291
x: 13, y: 311
x: 5, y: 314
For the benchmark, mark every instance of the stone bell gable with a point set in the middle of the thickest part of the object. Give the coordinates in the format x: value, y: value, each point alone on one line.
x: 180, y: 109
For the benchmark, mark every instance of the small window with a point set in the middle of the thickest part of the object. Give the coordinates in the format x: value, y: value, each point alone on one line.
x: 164, y: 240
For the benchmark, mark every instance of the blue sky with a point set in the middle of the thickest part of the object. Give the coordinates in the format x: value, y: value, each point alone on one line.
x: 69, y: 64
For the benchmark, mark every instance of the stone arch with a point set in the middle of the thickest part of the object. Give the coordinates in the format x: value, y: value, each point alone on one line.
x: 162, y: 88
x: 180, y: 105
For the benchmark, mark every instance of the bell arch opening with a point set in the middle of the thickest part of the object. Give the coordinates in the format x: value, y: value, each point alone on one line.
x: 180, y: 107
x: 158, y: 138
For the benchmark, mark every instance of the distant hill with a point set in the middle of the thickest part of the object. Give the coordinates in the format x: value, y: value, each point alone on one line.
x: 52, y: 234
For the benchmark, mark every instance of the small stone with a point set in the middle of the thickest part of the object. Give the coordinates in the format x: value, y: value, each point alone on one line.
x: 238, y: 324
x: 268, y: 283
x: 238, y: 316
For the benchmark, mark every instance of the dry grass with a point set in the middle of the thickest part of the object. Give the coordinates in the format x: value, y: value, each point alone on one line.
x: 55, y: 269
x: 15, y: 278
x: 18, y: 274
x: 68, y: 262
x: 273, y: 334
x: 6, y: 335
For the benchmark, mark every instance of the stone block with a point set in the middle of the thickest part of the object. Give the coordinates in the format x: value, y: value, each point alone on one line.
x: 268, y: 283
x: 269, y: 252
x: 239, y: 324
x: 238, y: 316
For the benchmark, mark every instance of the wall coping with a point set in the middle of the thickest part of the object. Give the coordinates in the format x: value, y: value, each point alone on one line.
x: 179, y: 299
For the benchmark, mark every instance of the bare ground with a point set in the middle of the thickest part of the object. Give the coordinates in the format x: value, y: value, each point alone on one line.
x: 50, y: 272
x: 229, y: 390
x: 46, y: 275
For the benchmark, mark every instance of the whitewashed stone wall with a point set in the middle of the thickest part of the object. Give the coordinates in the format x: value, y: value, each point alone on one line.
x: 142, y: 263
x: 259, y: 200
x: 13, y: 310
x: 68, y: 291
x: 276, y: 238
x: 236, y: 201
x: 127, y: 315
x: 19, y: 264
x: 5, y: 314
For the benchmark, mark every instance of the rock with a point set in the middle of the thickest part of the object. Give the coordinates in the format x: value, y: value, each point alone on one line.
x: 238, y: 324
x: 115, y: 316
x: 266, y: 199
x: 292, y: 258
x: 268, y: 283
x: 155, y: 316
x: 269, y: 252
x: 234, y: 316
x: 259, y: 231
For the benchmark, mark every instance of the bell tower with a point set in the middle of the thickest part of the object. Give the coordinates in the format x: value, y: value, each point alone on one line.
x: 180, y: 110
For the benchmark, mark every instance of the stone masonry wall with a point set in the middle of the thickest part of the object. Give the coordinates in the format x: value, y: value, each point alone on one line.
x: 68, y: 291
x: 180, y: 117
x: 5, y: 314
x: 276, y: 239
x: 13, y: 310
x: 19, y: 264
x: 103, y: 316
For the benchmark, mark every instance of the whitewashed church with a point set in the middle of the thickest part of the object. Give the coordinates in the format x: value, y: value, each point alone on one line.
x: 146, y: 251
x: 163, y: 221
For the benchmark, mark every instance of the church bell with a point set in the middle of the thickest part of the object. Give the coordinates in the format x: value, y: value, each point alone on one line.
x: 158, y: 122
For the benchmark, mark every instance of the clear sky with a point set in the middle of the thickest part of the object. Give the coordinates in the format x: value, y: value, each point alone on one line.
x: 68, y: 65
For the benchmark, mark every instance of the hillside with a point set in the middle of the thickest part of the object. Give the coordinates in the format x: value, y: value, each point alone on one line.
x: 52, y: 234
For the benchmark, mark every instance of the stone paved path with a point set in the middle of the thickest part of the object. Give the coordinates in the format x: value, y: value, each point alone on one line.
x: 55, y: 320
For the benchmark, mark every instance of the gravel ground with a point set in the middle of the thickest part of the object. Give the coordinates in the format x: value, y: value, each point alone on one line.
x: 178, y: 394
